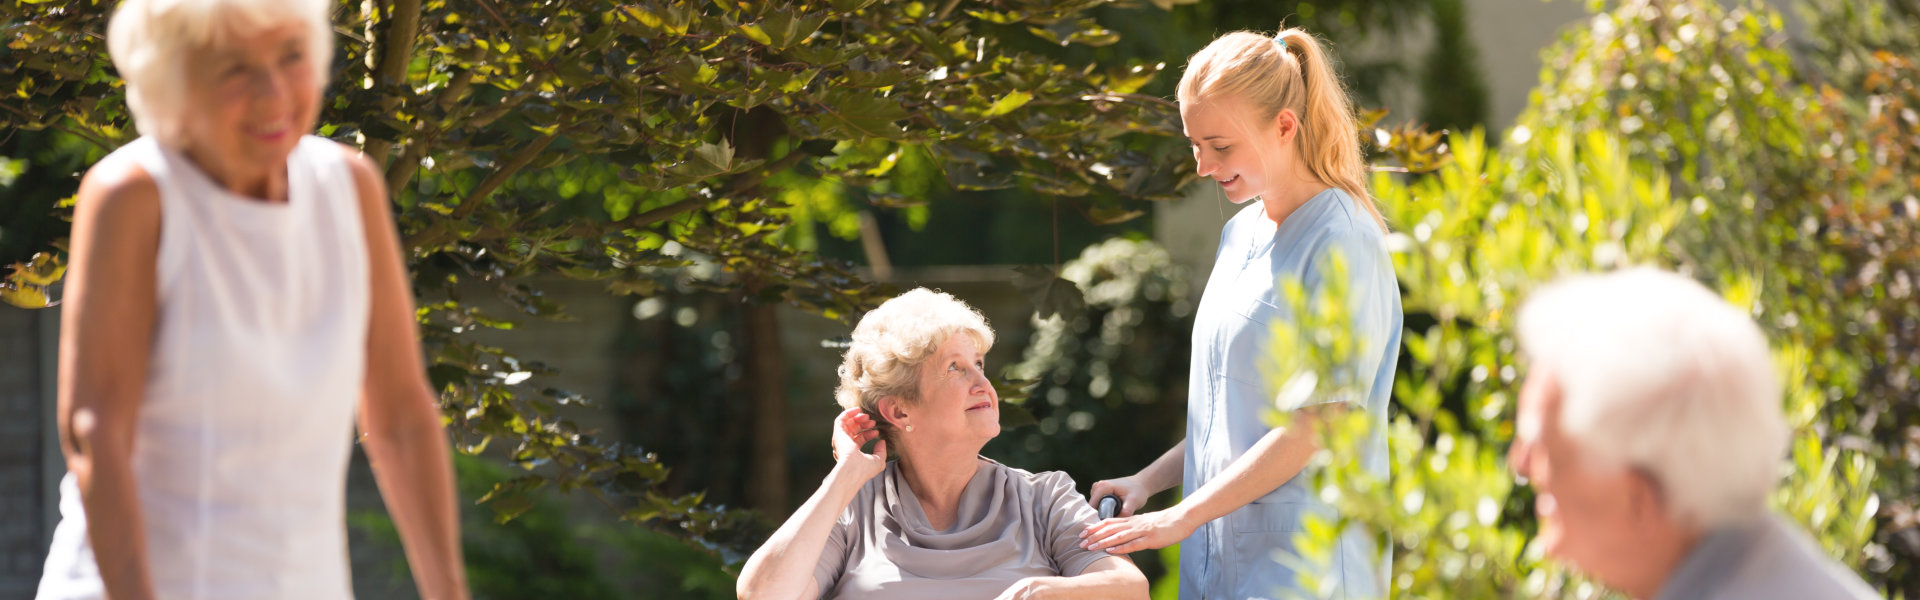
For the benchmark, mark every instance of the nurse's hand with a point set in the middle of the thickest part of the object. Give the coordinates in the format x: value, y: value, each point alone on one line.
x: 1133, y: 494
x: 1126, y: 535
x: 851, y: 430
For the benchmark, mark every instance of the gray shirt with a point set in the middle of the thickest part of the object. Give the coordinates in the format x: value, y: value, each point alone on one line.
x: 1010, y: 525
x: 1767, y: 559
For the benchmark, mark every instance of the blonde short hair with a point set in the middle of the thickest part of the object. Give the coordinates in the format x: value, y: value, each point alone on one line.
x: 1657, y: 372
x: 151, y: 42
x: 891, y: 342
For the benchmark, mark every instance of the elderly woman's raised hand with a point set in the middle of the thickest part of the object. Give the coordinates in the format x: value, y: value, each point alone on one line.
x: 851, y: 430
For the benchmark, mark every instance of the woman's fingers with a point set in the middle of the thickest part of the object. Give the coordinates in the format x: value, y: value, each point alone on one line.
x: 1103, y: 528
x: 1113, y: 537
x: 1094, y: 528
x: 1100, y: 490
x: 845, y: 423
x: 1130, y: 547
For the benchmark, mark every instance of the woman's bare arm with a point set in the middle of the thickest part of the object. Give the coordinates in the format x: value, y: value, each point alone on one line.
x: 400, y: 422
x: 106, y: 336
x: 1110, y: 577
x: 783, y: 567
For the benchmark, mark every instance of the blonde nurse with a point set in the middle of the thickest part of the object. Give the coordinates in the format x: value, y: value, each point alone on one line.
x: 1269, y: 121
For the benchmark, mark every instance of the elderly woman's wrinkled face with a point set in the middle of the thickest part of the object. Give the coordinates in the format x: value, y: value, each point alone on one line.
x: 1587, y: 513
x: 251, y: 99
x: 957, y: 403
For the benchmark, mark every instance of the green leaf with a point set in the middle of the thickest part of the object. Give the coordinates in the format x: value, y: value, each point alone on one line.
x: 893, y: 200
x: 1112, y: 215
x: 1015, y: 416
x: 23, y: 296
x: 868, y: 73
x: 672, y: 20
x: 783, y: 28
x: 997, y: 17
x: 1007, y: 103
x: 1051, y: 296
x: 1013, y: 391
x: 754, y: 33
x: 505, y: 508
x: 852, y: 114
x: 1133, y: 78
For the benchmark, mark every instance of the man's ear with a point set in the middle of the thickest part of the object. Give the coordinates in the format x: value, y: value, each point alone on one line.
x: 1645, y: 497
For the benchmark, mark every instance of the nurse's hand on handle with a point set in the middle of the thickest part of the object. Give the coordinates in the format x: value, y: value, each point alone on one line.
x: 851, y: 430
x: 1131, y: 532
x: 1132, y: 492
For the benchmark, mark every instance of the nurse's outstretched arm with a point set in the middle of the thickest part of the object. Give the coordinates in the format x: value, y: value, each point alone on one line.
x: 1273, y: 460
x: 1133, y: 491
x: 784, y: 566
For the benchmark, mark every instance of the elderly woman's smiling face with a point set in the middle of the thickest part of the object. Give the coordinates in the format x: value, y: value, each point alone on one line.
x: 957, y: 402
x: 252, y: 96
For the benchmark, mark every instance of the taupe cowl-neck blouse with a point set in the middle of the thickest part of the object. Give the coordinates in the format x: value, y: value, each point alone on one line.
x: 1011, y: 524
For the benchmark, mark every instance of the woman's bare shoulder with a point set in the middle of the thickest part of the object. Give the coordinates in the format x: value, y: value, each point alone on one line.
x: 117, y: 190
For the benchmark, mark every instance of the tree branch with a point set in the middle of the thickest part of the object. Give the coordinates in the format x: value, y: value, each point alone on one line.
x: 392, y: 53
x: 436, y: 233
x: 55, y: 124
x: 1122, y: 98
x: 403, y: 169
x: 499, y: 177
x: 638, y: 221
x: 746, y: 184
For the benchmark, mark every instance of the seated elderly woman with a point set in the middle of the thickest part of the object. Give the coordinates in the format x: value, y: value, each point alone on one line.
x: 941, y: 521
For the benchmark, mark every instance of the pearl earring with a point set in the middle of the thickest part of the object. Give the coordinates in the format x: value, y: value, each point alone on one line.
x: 909, y: 429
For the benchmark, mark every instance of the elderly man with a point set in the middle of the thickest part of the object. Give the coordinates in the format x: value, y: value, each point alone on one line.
x: 1650, y: 428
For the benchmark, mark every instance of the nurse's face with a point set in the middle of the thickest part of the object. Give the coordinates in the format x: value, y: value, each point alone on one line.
x: 958, y: 408
x: 1593, y: 516
x: 1235, y: 147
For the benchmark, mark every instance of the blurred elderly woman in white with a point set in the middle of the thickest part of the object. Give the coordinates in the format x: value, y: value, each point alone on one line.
x: 1650, y: 428
x: 942, y: 521
x: 236, y: 300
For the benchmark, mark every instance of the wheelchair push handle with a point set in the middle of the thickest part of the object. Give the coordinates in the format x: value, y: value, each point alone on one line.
x: 1109, y: 506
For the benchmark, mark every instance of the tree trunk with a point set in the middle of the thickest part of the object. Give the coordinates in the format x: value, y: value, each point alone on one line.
x: 767, y: 385
x: 753, y: 134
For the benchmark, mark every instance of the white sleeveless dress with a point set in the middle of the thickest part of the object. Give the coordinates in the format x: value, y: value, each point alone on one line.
x: 259, y: 355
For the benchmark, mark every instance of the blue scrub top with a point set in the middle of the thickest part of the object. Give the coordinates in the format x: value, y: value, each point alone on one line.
x: 1227, y: 397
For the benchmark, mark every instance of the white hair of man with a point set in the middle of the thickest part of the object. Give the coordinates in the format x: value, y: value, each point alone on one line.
x: 1657, y: 372
x: 890, y: 342
x: 152, y: 42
